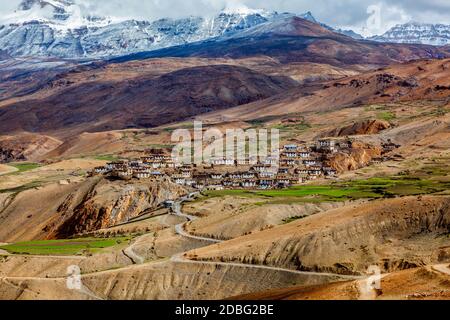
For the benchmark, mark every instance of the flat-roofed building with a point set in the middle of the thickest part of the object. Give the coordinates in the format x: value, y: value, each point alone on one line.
x: 251, y: 183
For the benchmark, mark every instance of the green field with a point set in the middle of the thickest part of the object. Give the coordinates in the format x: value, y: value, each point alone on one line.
x: 374, y: 188
x: 302, y: 194
x: 386, y: 115
x: 24, y: 187
x: 293, y: 127
x: 24, y: 166
x: 63, y: 247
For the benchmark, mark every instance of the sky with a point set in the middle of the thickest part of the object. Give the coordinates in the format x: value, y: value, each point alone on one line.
x: 364, y: 16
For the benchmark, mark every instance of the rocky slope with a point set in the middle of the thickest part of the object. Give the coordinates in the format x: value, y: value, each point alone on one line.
x: 293, y: 39
x: 398, y: 83
x: 227, y: 218
x: 62, y: 210
x: 393, y: 234
x: 146, y: 101
x: 107, y: 205
x: 64, y: 28
x: 161, y: 280
x: 23, y: 76
x: 424, y: 283
x: 359, y: 156
x: 26, y: 147
x: 359, y: 128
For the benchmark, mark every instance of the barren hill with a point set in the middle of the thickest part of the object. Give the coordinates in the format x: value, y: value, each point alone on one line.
x: 297, y: 40
x: 359, y: 128
x: 426, y: 283
x: 419, y: 80
x: 26, y: 147
x: 142, y: 102
x: 394, y: 234
x: 63, y: 210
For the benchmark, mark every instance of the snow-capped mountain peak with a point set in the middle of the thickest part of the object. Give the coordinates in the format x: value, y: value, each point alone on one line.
x: 62, y: 28
x: 308, y: 16
x: 44, y: 10
x: 415, y: 32
x: 62, y: 15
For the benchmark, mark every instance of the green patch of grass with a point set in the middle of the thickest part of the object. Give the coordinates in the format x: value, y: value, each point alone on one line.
x: 374, y: 188
x: 27, y: 186
x: 106, y: 157
x: 333, y: 192
x: 401, y: 185
x: 292, y: 219
x: 294, y: 127
x: 63, y: 247
x: 24, y: 166
x: 432, y: 178
x: 386, y: 115
x: 441, y: 111
x: 308, y: 193
x: 223, y: 193
x: 261, y: 121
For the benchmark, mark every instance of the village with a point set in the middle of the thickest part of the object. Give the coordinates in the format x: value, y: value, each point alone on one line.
x: 295, y: 165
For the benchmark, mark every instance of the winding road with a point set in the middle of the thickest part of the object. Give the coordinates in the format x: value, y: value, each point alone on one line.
x: 180, y: 228
x: 365, y: 292
x: 178, y: 258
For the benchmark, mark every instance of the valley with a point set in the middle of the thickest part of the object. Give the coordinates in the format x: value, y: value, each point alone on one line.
x: 163, y: 246
x: 88, y: 180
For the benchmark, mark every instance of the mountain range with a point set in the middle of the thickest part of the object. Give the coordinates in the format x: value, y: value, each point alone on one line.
x: 58, y: 28
x: 135, y: 91
x: 413, y: 32
x: 295, y: 40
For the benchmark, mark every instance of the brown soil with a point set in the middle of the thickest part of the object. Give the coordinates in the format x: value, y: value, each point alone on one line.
x: 380, y: 86
x: 394, y: 234
x: 150, y: 101
x: 359, y: 128
x: 231, y: 217
x: 61, y: 211
x: 415, y: 284
x: 26, y: 147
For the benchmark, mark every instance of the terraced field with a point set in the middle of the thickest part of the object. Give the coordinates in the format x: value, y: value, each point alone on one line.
x: 63, y: 247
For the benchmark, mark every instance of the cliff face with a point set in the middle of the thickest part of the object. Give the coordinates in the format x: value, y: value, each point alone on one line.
x: 26, y: 147
x: 108, y: 203
x: 359, y: 128
x: 359, y: 156
x: 394, y: 234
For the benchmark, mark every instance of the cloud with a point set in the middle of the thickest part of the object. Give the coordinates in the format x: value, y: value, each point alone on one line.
x: 339, y: 13
x: 153, y: 9
x: 7, y: 7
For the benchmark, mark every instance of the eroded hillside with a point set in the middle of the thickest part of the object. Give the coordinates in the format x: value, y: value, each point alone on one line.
x: 394, y: 234
x: 63, y: 210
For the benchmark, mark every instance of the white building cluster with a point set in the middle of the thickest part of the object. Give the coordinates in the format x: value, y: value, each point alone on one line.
x: 295, y: 165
